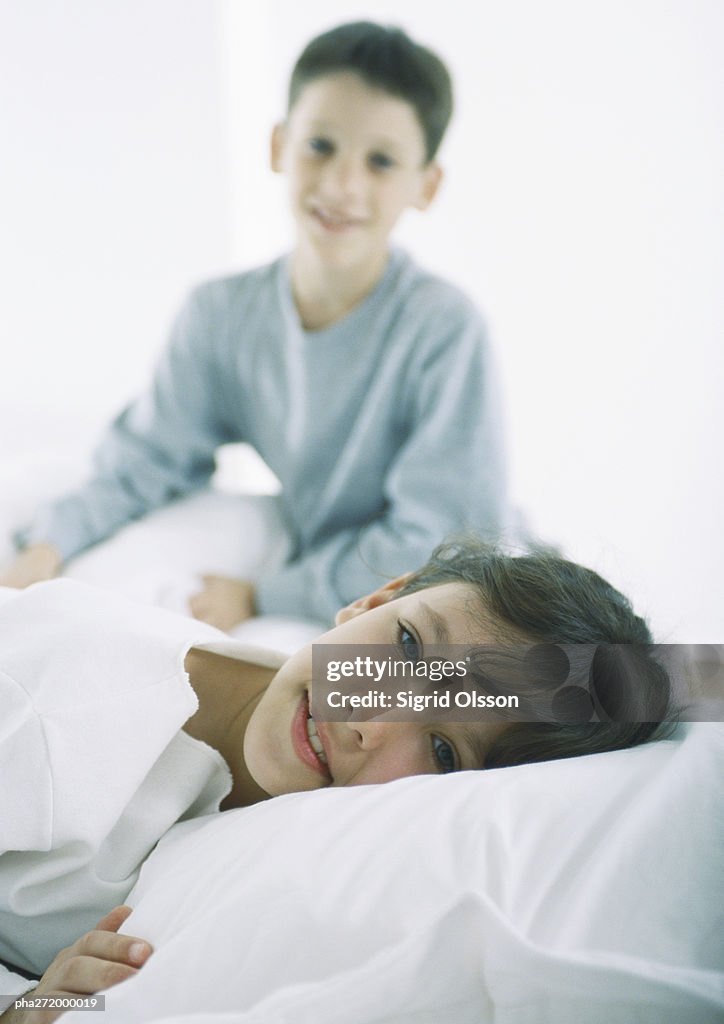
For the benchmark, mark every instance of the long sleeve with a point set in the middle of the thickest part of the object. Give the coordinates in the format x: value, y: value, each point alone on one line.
x: 94, y: 764
x: 447, y: 474
x: 384, y: 430
x: 12, y: 984
x: 161, y: 447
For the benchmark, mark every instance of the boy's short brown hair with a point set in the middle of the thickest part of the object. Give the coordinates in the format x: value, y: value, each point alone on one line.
x: 385, y: 58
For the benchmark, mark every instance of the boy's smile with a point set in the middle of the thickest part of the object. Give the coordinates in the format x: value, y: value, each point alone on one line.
x: 354, y: 156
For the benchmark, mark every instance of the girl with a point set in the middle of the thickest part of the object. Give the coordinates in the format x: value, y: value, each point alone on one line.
x: 119, y: 720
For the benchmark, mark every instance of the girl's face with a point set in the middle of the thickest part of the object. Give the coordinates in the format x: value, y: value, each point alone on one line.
x: 279, y: 745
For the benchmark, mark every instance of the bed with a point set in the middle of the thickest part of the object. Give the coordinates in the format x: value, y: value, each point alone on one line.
x: 573, y: 892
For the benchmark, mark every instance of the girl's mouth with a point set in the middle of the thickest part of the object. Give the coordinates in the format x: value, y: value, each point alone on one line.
x: 314, y: 740
x: 307, y: 744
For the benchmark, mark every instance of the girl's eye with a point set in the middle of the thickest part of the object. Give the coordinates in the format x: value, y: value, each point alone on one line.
x: 320, y: 146
x: 408, y: 643
x: 380, y: 161
x: 444, y: 755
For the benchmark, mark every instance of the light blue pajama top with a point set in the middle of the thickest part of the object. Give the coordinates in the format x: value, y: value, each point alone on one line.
x: 384, y: 430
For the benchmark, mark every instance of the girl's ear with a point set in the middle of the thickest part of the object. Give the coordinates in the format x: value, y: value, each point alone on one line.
x: 380, y: 596
x: 277, y: 148
x: 431, y: 178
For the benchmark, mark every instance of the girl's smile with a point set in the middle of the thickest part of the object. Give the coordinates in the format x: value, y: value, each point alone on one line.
x: 286, y: 750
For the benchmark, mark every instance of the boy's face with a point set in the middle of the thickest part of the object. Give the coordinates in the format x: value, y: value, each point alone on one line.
x: 354, y: 157
x: 280, y: 745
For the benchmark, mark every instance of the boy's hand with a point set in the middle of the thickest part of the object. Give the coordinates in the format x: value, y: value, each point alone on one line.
x: 35, y: 563
x: 223, y: 602
x: 97, y: 960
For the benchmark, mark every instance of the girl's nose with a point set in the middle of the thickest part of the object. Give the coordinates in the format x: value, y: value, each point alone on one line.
x: 371, y: 734
x: 387, y: 750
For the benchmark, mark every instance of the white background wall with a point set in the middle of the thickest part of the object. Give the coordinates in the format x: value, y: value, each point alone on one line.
x: 582, y: 208
x: 113, y: 195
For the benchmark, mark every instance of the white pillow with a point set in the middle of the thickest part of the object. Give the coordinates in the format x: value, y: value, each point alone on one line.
x: 573, y: 892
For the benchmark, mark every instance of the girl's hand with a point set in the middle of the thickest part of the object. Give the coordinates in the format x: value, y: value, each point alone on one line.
x: 97, y: 960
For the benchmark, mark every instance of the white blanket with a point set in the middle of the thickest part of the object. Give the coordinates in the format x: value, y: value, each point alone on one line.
x: 573, y: 892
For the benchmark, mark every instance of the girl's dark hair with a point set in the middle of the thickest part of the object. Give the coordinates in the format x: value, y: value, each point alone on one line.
x: 386, y: 58
x: 541, y: 600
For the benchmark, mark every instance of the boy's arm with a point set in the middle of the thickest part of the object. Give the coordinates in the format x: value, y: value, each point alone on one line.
x: 31, y: 565
x: 161, y: 447
x: 447, y: 476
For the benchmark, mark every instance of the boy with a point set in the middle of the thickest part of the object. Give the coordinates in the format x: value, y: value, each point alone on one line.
x: 362, y: 381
